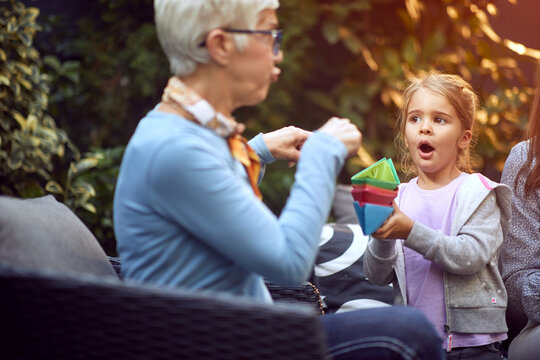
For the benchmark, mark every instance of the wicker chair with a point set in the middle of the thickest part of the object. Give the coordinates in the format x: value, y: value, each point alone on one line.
x: 61, y: 299
x: 303, y: 294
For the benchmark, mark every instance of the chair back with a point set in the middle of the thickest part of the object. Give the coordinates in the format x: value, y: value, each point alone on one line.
x: 47, y: 316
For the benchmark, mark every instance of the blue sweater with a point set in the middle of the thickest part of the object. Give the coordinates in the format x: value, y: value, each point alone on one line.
x: 185, y: 215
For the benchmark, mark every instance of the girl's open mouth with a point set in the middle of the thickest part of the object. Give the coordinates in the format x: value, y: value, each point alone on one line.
x: 426, y: 150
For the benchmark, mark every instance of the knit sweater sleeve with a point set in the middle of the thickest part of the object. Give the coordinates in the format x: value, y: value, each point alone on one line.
x: 380, y: 257
x: 475, y: 244
x: 379, y: 261
x: 520, y: 255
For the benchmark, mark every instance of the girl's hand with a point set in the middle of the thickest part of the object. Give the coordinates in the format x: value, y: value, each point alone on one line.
x: 397, y: 226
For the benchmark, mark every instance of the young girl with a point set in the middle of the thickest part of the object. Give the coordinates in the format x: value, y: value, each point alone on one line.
x: 449, y: 223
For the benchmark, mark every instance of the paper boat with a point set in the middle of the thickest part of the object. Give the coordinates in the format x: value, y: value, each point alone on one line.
x: 371, y: 216
x: 382, y: 174
x: 374, y: 195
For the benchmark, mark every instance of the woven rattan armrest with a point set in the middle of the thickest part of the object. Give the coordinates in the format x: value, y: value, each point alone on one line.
x: 51, y: 316
x: 306, y: 293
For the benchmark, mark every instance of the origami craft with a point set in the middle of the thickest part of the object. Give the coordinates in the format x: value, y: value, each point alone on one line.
x: 371, y: 216
x: 374, y: 195
x: 381, y: 174
x: 374, y: 190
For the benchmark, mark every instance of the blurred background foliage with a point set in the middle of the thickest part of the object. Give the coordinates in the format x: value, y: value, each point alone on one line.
x: 76, y: 79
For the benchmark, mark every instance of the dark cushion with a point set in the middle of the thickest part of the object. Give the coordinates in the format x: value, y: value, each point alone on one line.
x: 44, y: 234
x: 339, y: 273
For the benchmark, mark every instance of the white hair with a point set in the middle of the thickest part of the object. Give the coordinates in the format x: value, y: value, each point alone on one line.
x: 182, y: 26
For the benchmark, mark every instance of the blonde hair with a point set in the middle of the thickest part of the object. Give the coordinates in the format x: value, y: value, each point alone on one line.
x: 463, y: 99
x: 182, y: 26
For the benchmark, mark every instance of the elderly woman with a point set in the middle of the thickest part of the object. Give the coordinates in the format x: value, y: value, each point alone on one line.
x: 187, y: 209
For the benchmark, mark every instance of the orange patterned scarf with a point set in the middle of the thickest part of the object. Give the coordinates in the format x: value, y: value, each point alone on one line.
x: 178, y: 95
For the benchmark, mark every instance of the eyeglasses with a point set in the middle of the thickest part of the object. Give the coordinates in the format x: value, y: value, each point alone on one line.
x: 277, y: 35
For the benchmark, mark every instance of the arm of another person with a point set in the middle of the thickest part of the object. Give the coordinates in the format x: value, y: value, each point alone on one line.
x: 520, y: 253
x: 199, y: 191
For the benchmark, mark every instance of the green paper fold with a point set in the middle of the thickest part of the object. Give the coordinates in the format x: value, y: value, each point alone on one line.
x: 381, y: 174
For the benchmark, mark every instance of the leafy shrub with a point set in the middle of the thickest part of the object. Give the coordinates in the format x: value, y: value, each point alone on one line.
x: 32, y: 147
x: 29, y: 140
x: 349, y: 58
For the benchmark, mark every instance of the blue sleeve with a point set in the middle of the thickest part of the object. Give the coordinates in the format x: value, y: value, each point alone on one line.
x: 200, y: 192
x: 258, y: 144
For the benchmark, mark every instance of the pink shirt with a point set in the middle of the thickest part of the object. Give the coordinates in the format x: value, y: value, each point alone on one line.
x: 425, y: 288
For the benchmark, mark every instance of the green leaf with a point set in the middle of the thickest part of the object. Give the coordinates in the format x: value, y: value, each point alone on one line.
x: 16, y: 88
x: 18, y: 7
x: 72, y: 171
x: 25, y: 38
x: 351, y: 41
x: 48, y: 122
x: 84, y: 187
x: 330, y: 32
x: 70, y: 65
x: 19, y: 118
x: 433, y: 45
x: 5, y: 124
x: 33, y: 53
x: 16, y: 159
x: 22, y: 51
x: 32, y: 122
x: 35, y: 141
x: 4, y: 80
x: 29, y: 16
x: 42, y: 99
x: 23, y: 68
x: 86, y: 164
x: 60, y: 151
x: 393, y: 60
x: 89, y: 207
x: 54, y: 187
x: 52, y: 61
x: 410, y: 50
x: 25, y: 83
x: 47, y: 133
x: 12, y: 25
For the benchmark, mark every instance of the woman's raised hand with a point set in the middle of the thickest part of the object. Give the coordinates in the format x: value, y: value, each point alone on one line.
x: 345, y: 131
x: 285, y: 143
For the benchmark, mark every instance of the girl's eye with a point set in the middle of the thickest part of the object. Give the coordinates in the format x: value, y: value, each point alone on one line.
x: 415, y: 119
x: 439, y: 120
